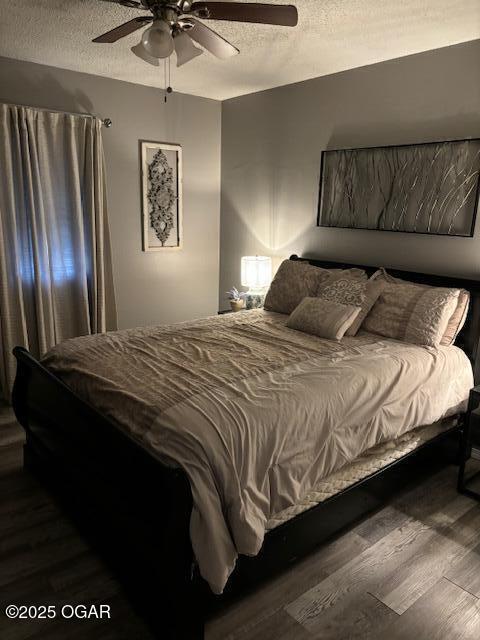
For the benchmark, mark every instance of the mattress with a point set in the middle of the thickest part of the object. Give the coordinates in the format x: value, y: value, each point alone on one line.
x: 257, y: 414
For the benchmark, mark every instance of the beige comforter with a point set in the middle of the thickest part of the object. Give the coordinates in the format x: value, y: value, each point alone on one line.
x: 257, y: 413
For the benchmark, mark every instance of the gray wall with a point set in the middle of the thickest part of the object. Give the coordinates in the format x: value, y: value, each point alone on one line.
x: 152, y: 287
x: 271, y: 145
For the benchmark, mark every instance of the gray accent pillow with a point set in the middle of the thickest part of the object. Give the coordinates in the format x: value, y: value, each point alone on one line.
x: 323, y: 318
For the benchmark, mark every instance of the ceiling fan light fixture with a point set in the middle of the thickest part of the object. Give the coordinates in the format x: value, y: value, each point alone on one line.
x: 157, y: 40
x: 185, y: 49
x: 140, y: 51
x: 169, y: 19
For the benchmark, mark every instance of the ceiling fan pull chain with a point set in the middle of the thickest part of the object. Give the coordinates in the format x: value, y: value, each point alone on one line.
x: 165, y: 80
x: 168, y: 88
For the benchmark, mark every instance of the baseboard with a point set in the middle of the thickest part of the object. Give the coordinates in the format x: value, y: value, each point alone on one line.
x: 476, y: 453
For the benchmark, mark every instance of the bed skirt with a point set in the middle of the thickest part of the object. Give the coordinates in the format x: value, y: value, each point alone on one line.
x: 367, y: 464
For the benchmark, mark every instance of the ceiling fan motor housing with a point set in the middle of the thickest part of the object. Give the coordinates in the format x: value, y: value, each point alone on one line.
x: 154, y: 5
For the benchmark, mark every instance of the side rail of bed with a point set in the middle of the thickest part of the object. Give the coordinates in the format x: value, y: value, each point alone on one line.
x: 90, y: 464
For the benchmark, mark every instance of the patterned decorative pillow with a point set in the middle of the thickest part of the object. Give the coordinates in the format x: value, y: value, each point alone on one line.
x: 457, y: 320
x: 356, y: 293
x: 296, y: 280
x: 323, y: 318
x: 412, y: 313
x: 293, y: 281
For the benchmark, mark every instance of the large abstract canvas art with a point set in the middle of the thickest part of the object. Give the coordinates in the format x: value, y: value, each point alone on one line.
x: 161, y: 195
x: 420, y: 188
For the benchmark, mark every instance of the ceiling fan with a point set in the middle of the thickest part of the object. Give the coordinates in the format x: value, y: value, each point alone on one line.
x: 175, y: 25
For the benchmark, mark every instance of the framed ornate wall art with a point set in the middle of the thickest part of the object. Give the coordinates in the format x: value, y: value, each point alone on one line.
x: 428, y: 188
x: 161, y: 172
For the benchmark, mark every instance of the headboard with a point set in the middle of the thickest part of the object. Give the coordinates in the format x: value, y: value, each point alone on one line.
x: 469, y: 337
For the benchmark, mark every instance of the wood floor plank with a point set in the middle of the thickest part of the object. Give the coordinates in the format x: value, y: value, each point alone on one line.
x: 127, y: 625
x: 28, y: 562
x: 445, y: 612
x: 359, y: 617
x: 6, y: 412
x: 425, y: 502
x: 381, y: 523
x: 278, y: 592
x: 332, y: 599
x: 33, y: 511
x: 33, y: 536
x: 18, y: 482
x: 279, y: 626
x: 84, y: 569
x: 66, y: 576
x: 466, y: 573
x: 440, y: 551
x: 98, y: 589
x: 11, y: 459
x: 89, y: 584
x: 10, y: 431
x: 124, y: 624
x: 436, y: 501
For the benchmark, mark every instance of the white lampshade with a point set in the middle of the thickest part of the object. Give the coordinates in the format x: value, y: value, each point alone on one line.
x: 256, y: 271
x: 140, y: 51
x: 157, y: 40
x: 185, y: 49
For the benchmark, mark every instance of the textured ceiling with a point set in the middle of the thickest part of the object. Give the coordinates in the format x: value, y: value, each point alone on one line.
x: 332, y: 35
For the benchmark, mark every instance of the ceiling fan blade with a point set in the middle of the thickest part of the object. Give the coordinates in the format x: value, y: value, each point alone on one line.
x: 123, y: 30
x: 281, y: 14
x: 210, y: 40
x: 127, y: 3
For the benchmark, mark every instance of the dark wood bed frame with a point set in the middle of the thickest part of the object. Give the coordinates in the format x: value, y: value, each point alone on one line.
x: 136, y: 511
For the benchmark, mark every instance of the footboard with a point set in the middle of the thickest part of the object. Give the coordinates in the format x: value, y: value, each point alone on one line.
x: 117, y: 492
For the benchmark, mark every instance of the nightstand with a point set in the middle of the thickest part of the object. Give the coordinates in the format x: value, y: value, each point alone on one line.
x: 466, y: 444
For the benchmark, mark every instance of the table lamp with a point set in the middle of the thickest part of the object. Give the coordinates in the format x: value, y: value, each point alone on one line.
x: 256, y: 275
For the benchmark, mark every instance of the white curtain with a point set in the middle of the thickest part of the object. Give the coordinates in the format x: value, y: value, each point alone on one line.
x: 55, y: 261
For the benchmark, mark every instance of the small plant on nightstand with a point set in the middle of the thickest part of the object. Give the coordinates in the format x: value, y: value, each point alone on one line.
x: 237, y: 299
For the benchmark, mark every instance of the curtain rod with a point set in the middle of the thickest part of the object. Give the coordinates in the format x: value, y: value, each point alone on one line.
x: 106, y: 122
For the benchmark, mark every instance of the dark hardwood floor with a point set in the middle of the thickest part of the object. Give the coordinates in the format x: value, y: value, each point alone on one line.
x: 409, y: 572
